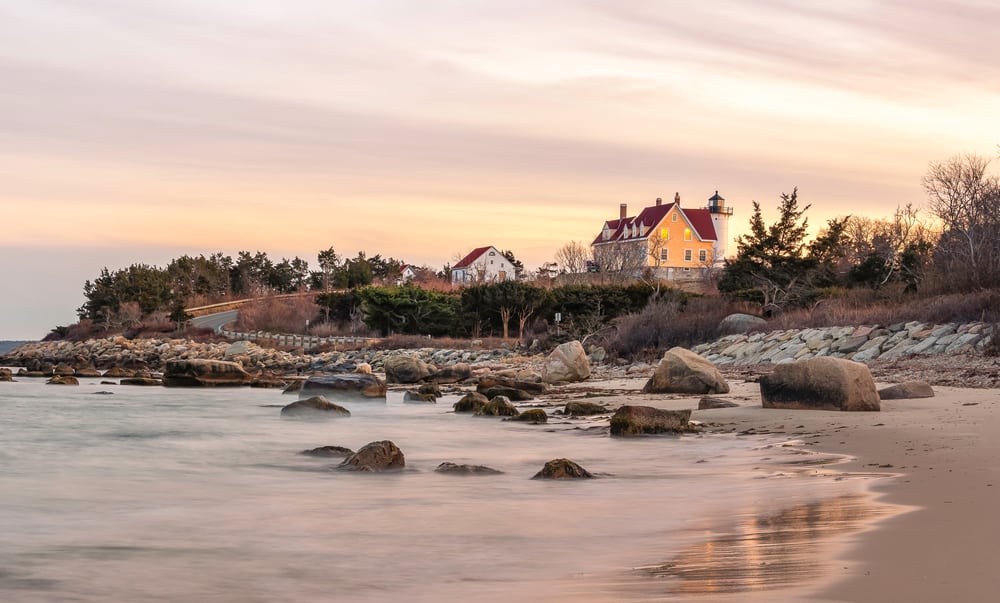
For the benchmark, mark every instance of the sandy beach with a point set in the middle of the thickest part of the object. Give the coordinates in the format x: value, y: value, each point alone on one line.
x: 931, y: 536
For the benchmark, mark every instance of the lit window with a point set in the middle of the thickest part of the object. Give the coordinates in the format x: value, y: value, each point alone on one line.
x: 687, y: 255
x: 687, y: 234
x: 665, y: 234
x: 702, y: 256
x: 664, y: 254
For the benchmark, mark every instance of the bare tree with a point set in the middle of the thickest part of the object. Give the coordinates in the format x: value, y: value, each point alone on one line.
x: 621, y: 262
x: 572, y: 258
x: 967, y: 201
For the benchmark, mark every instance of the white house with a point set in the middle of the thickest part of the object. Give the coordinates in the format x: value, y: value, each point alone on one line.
x: 482, y: 265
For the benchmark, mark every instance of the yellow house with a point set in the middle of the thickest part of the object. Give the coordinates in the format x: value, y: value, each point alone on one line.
x: 675, y: 242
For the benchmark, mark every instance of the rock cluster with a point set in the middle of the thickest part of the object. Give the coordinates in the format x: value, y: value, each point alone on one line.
x: 126, y: 356
x: 861, y: 344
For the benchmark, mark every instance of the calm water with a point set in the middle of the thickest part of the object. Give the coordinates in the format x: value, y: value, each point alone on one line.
x: 155, y: 494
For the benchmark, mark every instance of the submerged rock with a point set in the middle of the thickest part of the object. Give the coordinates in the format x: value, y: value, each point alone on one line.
x: 511, y: 393
x: 535, y: 415
x: 63, y: 380
x: 412, y: 397
x: 375, y: 457
x: 646, y: 420
x: 582, y: 409
x: 471, y: 402
x: 328, y: 451
x: 144, y: 381
x: 710, y: 403
x: 455, y: 469
x: 562, y: 469
x: 204, y: 373
x: 345, y: 386
x: 498, y: 407
x: 315, y: 407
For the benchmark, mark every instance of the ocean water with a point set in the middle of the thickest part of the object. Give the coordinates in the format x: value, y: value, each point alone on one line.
x: 114, y: 493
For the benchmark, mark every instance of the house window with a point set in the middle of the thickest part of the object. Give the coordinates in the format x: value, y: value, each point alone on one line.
x: 687, y: 234
x: 673, y: 218
x: 687, y: 255
x: 665, y: 234
x: 664, y: 254
x: 702, y: 256
x: 503, y: 276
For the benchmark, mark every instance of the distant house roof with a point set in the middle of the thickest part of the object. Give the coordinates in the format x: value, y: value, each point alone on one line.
x: 472, y: 257
x: 622, y: 228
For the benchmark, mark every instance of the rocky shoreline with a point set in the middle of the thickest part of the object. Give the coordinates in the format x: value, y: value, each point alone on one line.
x: 947, y: 354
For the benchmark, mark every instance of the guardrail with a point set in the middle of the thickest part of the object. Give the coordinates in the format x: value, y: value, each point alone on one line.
x: 306, y: 342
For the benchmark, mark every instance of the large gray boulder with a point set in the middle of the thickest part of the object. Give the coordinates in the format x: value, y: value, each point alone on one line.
x: 740, y: 323
x: 567, y: 363
x: 820, y: 384
x: 682, y: 371
x: 907, y: 390
x: 406, y: 369
x: 646, y: 420
x: 315, y: 407
x: 204, y: 373
x: 451, y: 374
x: 375, y: 457
x: 345, y: 387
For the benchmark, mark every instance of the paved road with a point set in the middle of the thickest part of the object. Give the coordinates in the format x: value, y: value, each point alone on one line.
x: 215, y: 321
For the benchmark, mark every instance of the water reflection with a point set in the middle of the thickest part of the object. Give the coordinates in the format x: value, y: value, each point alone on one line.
x: 765, y: 553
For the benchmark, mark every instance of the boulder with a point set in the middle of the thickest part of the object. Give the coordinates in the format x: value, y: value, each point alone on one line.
x: 907, y: 390
x: 642, y: 420
x: 6, y: 374
x: 430, y: 388
x: 740, y: 323
x: 89, y: 372
x: 567, y: 363
x: 511, y: 393
x: 63, y: 369
x: 456, y: 469
x: 294, y: 386
x: 237, y: 348
x: 562, y: 469
x: 454, y: 373
x: 329, y: 451
x: 406, y: 369
x: 63, y: 380
x: 412, y: 397
x: 682, y: 371
x: 498, y: 407
x: 345, y: 387
x: 268, y: 382
x: 375, y: 457
x: 117, y: 372
x: 580, y: 409
x: 710, y: 403
x: 143, y: 381
x: 314, y: 407
x: 488, y: 381
x: 820, y: 384
x: 363, y: 368
x: 471, y: 402
x: 535, y: 415
x: 204, y: 373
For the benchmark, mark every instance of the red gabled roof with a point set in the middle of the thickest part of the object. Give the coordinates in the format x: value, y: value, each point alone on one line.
x: 700, y: 220
x: 472, y: 257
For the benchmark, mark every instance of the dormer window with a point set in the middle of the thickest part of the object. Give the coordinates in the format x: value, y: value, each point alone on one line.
x: 493, y: 253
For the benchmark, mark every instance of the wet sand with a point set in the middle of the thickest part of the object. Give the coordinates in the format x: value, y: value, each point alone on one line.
x: 927, y: 533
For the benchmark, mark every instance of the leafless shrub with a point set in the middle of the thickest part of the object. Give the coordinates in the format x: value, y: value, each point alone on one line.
x: 278, y: 315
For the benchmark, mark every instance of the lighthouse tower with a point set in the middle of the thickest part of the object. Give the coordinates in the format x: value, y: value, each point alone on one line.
x: 720, y: 220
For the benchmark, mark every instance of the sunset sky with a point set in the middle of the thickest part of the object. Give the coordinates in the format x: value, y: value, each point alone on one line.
x: 141, y: 130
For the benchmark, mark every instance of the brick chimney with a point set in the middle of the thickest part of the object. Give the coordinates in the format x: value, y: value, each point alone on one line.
x: 659, y: 201
x: 677, y: 199
x: 623, y: 211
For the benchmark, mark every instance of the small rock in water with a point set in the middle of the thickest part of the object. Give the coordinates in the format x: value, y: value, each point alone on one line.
x: 562, y: 469
x: 456, y: 469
